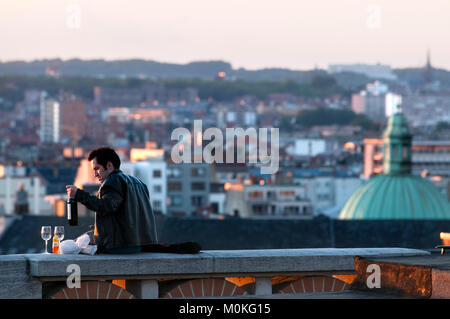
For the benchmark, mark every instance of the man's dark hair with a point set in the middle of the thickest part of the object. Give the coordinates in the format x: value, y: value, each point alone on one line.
x: 104, y: 155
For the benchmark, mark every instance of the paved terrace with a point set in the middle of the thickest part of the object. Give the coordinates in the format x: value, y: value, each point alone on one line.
x: 264, y: 273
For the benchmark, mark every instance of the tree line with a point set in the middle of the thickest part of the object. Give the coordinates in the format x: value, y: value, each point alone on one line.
x: 13, y: 87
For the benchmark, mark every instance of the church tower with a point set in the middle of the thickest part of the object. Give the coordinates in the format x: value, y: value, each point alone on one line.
x: 428, y: 70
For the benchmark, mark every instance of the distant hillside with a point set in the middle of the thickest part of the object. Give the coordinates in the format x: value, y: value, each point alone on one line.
x: 415, y: 76
x: 118, y: 68
x: 147, y: 69
x: 151, y: 70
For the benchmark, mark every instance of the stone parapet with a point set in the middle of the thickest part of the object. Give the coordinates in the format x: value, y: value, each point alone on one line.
x: 24, y: 276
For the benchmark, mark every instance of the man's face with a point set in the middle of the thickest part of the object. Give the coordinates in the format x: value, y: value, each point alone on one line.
x: 101, y: 172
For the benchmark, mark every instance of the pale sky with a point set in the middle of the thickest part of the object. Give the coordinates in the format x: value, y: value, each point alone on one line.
x: 254, y: 34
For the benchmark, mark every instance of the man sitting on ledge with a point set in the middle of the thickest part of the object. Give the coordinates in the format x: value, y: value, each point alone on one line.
x: 124, y: 219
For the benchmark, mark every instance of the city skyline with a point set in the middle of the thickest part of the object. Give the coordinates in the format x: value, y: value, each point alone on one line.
x: 254, y: 35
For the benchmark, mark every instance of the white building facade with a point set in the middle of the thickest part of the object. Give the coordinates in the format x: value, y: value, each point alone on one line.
x: 152, y: 173
x: 328, y: 192
x: 50, y: 120
x: 307, y: 147
x: 278, y: 201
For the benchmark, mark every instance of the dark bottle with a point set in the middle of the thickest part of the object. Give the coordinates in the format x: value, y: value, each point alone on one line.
x: 72, y: 212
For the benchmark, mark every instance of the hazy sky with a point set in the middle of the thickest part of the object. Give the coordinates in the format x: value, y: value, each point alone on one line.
x: 253, y: 34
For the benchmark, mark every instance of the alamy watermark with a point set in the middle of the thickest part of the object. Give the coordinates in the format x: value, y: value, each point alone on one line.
x: 73, y: 20
x: 373, y: 16
x: 256, y: 149
x: 374, y: 279
x: 74, y: 279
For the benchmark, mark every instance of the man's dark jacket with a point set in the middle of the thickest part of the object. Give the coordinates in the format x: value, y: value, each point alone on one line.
x: 123, y: 213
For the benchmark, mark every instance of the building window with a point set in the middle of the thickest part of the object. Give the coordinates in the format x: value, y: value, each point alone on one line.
x: 176, y: 201
x: 174, y: 186
x: 405, y: 152
x: 157, y: 204
x: 157, y: 188
x: 215, y: 208
x: 395, y: 152
x: 157, y: 173
x: 255, y: 195
x: 173, y: 172
x: 197, y: 186
x: 198, y: 171
x: 197, y: 200
x: 291, y: 210
x: 259, y: 209
x: 287, y: 193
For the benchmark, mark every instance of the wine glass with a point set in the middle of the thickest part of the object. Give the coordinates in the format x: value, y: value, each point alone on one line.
x: 59, y: 232
x: 46, y: 234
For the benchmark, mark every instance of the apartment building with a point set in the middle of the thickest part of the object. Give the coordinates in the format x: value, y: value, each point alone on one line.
x: 188, y: 188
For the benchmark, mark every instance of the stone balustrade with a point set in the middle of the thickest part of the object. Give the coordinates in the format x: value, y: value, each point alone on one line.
x: 29, y: 275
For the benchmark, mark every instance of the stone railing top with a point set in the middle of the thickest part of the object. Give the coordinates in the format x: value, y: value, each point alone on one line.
x: 208, y: 262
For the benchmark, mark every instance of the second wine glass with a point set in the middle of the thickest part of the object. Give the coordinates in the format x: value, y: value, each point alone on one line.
x: 59, y: 232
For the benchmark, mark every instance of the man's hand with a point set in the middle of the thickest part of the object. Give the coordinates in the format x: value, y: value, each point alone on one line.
x: 71, y: 190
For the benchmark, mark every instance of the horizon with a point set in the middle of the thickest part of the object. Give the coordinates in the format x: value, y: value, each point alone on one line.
x: 213, y: 60
x: 296, y: 35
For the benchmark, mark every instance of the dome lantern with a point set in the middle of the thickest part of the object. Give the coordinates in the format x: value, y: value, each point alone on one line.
x: 397, y: 146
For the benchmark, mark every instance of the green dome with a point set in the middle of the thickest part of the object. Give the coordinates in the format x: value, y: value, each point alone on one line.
x: 396, y: 197
x: 396, y: 194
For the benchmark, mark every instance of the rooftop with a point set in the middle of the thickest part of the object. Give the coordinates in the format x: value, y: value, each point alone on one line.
x: 387, y: 196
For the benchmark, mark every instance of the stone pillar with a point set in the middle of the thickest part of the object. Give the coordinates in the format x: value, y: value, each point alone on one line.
x: 143, y: 289
x: 263, y: 286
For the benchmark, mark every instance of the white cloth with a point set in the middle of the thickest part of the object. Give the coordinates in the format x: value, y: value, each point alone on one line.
x: 80, y: 245
x: 69, y: 247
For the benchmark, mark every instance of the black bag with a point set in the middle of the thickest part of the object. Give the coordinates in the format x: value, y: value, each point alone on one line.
x: 178, y: 248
